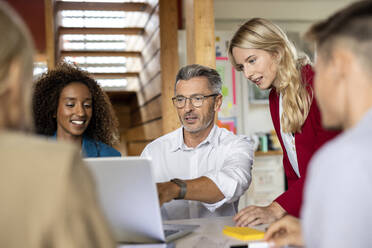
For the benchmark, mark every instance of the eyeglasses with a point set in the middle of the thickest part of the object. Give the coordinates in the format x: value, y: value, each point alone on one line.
x: 196, y: 100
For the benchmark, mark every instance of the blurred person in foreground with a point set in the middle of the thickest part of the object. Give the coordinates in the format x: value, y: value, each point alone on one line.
x: 337, y: 206
x: 46, y: 192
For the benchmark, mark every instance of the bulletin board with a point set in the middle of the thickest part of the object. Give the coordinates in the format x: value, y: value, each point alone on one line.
x: 227, y: 115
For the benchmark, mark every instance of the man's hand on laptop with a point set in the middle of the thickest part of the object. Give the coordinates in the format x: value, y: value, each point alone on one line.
x: 167, y: 191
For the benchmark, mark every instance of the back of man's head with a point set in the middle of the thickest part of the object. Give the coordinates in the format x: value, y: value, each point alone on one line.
x: 351, y: 26
x: 16, y: 67
x: 190, y: 71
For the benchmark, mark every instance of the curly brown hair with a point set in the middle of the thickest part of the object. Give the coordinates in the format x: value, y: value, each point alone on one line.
x: 103, y: 125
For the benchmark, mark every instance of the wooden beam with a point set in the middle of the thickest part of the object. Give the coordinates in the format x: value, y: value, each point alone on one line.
x: 117, y: 75
x: 50, y: 24
x: 168, y: 12
x: 107, y: 31
x: 200, y: 32
x: 100, y: 53
x: 101, y: 6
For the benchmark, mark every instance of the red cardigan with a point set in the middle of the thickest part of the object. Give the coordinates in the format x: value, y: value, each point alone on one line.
x: 308, y: 141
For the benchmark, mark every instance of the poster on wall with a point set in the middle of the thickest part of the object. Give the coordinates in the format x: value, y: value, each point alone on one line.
x: 227, y: 116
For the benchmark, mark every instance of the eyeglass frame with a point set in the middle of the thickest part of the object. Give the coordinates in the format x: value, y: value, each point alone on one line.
x: 191, y: 99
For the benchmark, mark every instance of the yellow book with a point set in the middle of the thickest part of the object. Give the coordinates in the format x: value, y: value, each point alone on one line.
x: 243, y: 233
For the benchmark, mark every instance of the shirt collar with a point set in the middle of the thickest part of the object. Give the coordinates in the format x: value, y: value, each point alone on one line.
x: 212, y: 139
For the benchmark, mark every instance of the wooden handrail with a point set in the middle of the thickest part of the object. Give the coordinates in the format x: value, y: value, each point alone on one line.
x: 107, y: 31
x: 139, y: 7
x: 100, y: 53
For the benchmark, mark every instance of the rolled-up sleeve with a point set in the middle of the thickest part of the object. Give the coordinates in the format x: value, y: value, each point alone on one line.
x: 234, y: 176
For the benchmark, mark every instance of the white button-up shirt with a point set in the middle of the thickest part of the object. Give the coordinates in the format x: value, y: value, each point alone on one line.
x: 288, y: 141
x: 223, y: 157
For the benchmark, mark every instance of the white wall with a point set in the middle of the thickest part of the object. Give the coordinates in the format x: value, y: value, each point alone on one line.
x: 291, y: 15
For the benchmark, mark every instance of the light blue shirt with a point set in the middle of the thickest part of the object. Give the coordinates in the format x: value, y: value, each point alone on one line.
x: 337, y: 210
x: 91, y: 148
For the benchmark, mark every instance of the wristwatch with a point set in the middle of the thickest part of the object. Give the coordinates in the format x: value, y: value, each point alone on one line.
x: 183, y: 187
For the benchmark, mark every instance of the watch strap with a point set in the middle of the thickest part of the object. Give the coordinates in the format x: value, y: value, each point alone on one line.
x: 183, y: 187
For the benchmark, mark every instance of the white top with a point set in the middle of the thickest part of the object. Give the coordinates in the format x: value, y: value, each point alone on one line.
x: 337, y: 207
x: 223, y: 157
x: 288, y: 141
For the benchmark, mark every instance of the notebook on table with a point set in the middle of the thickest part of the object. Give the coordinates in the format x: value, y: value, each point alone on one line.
x: 128, y: 197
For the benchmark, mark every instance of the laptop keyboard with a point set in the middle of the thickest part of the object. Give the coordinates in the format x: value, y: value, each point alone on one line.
x: 170, y: 232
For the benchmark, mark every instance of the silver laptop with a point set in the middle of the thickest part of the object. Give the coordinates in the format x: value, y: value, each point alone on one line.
x: 129, y: 200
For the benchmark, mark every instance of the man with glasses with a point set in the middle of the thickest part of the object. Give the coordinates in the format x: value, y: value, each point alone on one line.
x: 201, y: 169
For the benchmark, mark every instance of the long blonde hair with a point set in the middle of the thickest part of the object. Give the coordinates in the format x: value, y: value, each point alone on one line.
x: 259, y: 33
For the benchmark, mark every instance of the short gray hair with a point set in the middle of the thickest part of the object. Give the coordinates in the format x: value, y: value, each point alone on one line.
x: 190, y: 71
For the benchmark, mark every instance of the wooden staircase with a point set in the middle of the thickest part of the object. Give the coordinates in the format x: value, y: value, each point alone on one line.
x: 124, y: 47
x: 105, y: 38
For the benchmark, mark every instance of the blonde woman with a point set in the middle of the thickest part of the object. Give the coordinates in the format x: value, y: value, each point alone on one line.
x: 262, y: 51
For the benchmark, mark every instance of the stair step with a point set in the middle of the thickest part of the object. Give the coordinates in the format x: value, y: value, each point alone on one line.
x: 101, y: 6
x: 115, y: 75
x: 100, y: 53
x: 108, y: 31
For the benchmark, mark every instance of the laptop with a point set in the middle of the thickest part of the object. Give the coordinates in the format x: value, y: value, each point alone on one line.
x: 129, y: 200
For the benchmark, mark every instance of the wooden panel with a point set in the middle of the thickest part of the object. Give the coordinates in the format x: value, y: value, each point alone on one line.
x: 122, y: 111
x: 121, y: 96
x: 50, y: 24
x: 152, y: 25
x: 108, y: 31
x: 151, y: 90
x: 150, y: 111
x: 200, y: 33
x: 148, y: 116
x: 151, y: 48
x: 133, y: 84
x: 100, y: 53
x: 101, y: 6
x: 169, y: 61
x: 136, y: 148
x: 150, y: 70
x: 148, y: 131
x: 133, y: 64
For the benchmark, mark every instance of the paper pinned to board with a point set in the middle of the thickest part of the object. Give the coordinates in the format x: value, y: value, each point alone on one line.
x: 243, y: 233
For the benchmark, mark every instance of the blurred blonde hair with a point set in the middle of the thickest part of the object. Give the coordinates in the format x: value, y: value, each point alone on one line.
x: 259, y: 33
x: 16, y: 46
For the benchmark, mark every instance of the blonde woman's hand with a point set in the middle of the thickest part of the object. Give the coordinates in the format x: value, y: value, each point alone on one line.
x: 253, y: 215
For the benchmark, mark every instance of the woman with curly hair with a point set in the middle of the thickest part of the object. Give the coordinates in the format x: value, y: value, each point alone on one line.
x: 69, y: 105
x: 263, y: 52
